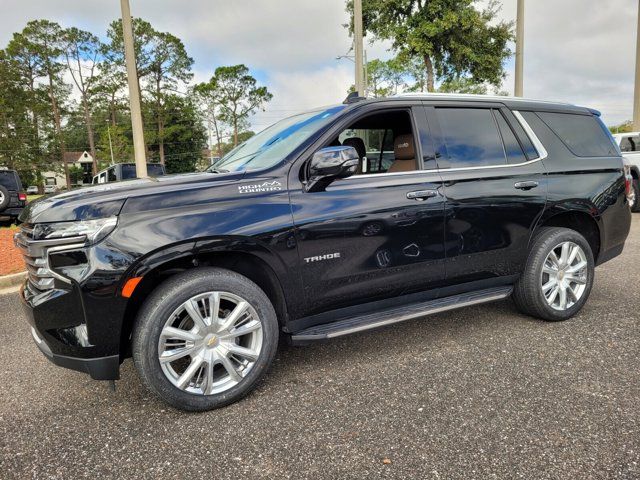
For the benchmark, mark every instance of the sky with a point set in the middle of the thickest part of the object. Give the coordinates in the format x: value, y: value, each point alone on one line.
x: 576, y: 51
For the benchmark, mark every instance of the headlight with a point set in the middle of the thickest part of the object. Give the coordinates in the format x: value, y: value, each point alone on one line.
x: 93, y: 231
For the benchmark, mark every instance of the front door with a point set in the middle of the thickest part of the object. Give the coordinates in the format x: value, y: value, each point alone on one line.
x: 378, y: 234
x: 495, y: 188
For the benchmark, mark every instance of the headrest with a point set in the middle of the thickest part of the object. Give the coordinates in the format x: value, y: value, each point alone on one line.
x: 404, y: 147
x: 358, y: 144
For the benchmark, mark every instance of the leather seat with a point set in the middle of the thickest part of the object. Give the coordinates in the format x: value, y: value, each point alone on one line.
x: 405, y: 152
x: 358, y: 144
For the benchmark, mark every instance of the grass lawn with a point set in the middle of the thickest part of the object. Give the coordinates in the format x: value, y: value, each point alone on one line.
x: 31, y: 198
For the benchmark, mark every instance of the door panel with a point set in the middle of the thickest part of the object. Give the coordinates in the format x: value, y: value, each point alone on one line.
x: 491, y: 207
x: 376, y: 236
x: 363, y: 239
x: 489, y: 221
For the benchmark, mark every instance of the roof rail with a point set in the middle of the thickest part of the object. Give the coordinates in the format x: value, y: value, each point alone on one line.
x: 475, y: 96
x: 353, y: 97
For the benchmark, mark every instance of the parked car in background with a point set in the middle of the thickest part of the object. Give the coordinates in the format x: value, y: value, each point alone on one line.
x: 331, y: 222
x: 126, y: 171
x: 32, y: 190
x: 12, y: 198
x: 629, y: 144
x: 49, y: 189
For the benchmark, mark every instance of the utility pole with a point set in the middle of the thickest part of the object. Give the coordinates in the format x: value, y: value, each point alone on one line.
x: 636, y: 99
x: 358, y: 46
x: 519, y: 89
x: 134, y: 91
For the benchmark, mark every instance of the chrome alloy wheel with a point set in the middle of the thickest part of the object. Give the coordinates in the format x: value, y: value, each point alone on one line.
x: 210, y: 343
x: 564, y: 276
x: 1, y: 198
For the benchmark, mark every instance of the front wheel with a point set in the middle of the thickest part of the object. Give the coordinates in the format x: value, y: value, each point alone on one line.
x: 204, y: 339
x: 558, y: 276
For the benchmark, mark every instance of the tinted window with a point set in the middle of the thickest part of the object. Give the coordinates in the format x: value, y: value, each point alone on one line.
x: 529, y: 150
x: 471, y: 137
x: 155, y: 170
x: 9, y: 180
x: 511, y: 145
x: 128, y: 171
x: 111, y: 173
x: 630, y: 144
x: 584, y: 135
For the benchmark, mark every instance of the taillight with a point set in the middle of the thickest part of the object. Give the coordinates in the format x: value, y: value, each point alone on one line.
x: 22, y: 197
x: 628, y: 186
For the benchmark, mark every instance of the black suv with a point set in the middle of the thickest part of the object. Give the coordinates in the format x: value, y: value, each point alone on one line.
x: 12, y: 198
x: 328, y: 223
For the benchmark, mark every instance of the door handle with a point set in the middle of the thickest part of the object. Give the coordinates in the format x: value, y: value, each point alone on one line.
x: 526, y: 185
x: 421, y: 195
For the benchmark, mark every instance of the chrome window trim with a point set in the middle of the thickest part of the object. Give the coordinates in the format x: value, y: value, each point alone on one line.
x: 542, y: 152
x: 537, y: 144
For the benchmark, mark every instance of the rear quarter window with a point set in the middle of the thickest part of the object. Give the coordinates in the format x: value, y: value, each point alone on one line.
x: 583, y: 135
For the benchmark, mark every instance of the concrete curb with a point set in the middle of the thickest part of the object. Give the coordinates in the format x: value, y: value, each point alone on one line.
x: 14, y: 280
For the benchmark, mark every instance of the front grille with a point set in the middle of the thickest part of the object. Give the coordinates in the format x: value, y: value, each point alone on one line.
x: 35, y: 254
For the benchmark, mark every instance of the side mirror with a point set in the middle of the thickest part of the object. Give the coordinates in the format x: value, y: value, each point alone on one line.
x: 330, y: 164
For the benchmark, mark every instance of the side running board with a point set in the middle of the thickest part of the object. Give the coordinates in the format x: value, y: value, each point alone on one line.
x: 393, y: 315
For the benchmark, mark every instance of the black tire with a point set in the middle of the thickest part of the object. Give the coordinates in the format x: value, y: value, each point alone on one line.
x: 6, y: 198
x: 636, y: 188
x: 163, y: 302
x: 528, y: 295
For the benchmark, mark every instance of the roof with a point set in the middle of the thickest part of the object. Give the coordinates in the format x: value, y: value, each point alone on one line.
x: 73, y: 157
x: 514, y: 103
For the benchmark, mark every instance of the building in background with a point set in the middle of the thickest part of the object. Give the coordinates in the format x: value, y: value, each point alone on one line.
x: 80, y: 168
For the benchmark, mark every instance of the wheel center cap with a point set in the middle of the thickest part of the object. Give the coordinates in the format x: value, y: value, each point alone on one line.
x: 211, y: 341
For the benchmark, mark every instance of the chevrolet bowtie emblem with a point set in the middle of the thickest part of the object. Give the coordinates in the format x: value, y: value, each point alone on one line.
x: 211, y: 341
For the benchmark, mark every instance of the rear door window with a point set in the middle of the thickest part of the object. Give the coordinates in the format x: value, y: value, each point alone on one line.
x: 471, y: 137
x: 583, y: 135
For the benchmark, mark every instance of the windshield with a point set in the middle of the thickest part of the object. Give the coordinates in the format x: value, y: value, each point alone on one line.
x: 276, y: 142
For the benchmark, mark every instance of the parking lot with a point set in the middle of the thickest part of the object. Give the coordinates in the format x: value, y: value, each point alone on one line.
x: 479, y: 393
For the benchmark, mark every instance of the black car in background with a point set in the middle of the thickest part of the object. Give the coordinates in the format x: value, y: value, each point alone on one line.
x: 12, y: 197
x: 328, y: 223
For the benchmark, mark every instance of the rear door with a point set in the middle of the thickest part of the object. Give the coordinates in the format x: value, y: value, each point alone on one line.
x: 370, y: 237
x: 495, y: 188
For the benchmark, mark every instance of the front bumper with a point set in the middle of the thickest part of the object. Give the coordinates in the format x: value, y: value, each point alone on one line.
x: 101, y: 368
x: 62, y: 349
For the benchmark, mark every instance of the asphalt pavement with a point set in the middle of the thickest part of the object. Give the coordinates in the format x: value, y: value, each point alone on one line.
x: 483, y: 392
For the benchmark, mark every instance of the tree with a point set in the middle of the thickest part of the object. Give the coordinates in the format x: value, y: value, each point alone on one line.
x: 162, y: 63
x: 40, y: 44
x: 207, y: 97
x: 451, y: 37
x: 239, y: 96
x: 377, y: 78
x: 17, y: 131
x: 81, y: 51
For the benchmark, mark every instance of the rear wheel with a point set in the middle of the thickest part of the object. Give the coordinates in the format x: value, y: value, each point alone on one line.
x: 558, y: 276
x: 204, y: 339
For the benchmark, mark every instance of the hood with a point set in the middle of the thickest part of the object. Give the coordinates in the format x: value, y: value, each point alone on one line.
x: 106, y: 200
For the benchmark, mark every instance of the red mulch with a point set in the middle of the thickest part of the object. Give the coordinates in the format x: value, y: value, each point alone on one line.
x: 10, y: 258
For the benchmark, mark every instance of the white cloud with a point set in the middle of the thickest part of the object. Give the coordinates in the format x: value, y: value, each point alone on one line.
x: 579, y: 51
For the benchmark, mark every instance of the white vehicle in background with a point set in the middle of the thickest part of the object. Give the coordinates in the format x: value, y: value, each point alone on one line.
x: 630, y: 146
x: 32, y: 190
x: 49, y: 189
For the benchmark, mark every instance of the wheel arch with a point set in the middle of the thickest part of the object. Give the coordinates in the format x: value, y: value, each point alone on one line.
x: 579, y: 220
x: 241, y: 256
